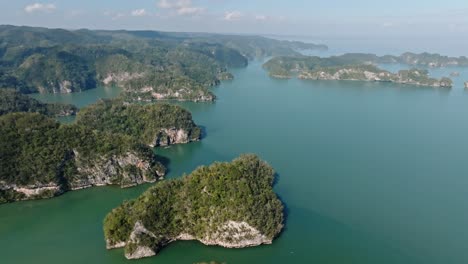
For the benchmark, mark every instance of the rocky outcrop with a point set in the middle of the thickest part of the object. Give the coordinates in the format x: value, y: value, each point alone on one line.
x: 466, y: 85
x: 171, y: 136
x: 231, y: 234
x: 124, y: 170
x: 374, y: 74
x: 179, y: 95
x: 116, y: 78
x: 31, y: 191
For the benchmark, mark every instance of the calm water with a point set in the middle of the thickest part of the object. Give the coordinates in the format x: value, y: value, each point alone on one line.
x: 370, y: 173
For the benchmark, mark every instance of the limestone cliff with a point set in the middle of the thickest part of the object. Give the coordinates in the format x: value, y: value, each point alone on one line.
x: 125, y: 170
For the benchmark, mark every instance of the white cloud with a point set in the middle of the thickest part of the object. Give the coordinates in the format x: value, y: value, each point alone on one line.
x: 232, y: 15
x: 261, y: 17
x: 180, y: 7
x: 40, y: 7
x: 189, y: 10
x: 139, y: 12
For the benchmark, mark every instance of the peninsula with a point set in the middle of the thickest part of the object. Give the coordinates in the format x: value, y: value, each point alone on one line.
x: 227, y: 204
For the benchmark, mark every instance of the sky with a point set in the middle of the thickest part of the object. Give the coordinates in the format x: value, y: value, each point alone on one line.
x: 436, y: 19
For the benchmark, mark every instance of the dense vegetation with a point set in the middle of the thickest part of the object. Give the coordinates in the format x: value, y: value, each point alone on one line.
x: 348, y: 67
x: 284, y: 64
x: 147, y: 123
x: 200, y: 204
x: 12, y: 101
x: 148, y: 64
x: 36, y: 151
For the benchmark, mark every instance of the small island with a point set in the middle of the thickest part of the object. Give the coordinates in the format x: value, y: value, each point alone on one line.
x: 42, y: 159
x: 466, y: 85
x: 350, y: 67
x: 153, y: 124
x: 110, y: 144
x: 373, y: 73
x: 227, y: 204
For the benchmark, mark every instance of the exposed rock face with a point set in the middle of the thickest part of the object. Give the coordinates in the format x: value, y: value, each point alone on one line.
x: 371, y: 73
x: 171, y: 136
x: 32, y: 191
x: 112, y: 171
x: 139, y: 231
x: 125, y: 170
x: 466, y: 85
x: 231, y: 234
x: 115, y: 78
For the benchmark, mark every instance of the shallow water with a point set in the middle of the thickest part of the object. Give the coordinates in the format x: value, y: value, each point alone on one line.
x: 370, y: 173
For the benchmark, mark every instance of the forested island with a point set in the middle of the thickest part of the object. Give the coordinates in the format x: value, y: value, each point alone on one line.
x: 152, y: 124
x: 227, y: 204
x: 111, y: 144
x: 353, y: 67
x: 148, y: 65
x: 41, y: 158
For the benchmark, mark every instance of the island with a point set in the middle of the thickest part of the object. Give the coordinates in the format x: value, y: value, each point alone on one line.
x: 147, y: 65
x: 110, y: 144
x: 373, y: 73
x: 226, y: 204
x: 466, y: 85
x: 153, y: 124
x: 348, y: 67
x: 12, y: 101
x: 42, y: 158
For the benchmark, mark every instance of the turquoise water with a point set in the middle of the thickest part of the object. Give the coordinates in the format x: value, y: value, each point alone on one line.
x: 370, y: 173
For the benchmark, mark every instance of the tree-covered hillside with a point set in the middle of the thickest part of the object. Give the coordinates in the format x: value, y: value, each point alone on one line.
x: 149, y: 65
x: 361, y: 67
x: 153, y: 124
x: 41, y: 158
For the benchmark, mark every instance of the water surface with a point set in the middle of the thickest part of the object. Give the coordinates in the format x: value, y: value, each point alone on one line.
x: 370, y: 173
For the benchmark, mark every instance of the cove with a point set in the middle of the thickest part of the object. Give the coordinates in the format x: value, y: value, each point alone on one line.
x: 369, y: 172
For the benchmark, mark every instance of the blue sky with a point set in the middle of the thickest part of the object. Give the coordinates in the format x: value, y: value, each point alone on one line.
x: 292, y: 17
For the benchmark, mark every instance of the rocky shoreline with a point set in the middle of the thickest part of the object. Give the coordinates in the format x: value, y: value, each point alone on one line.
x: 245, y: 236
x: 373, y: 74
x: 100, y: 172
x: 213, y: 205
